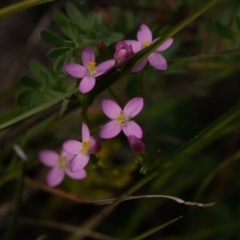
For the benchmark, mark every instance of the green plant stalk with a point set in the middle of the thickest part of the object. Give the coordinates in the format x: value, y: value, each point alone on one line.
x: 14, y: 8
x: 210, y: 177
x: 116, y: 72
x: 9, y: 234
x: 155, y: 229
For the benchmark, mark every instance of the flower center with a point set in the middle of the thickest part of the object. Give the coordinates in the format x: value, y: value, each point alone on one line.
x: 92, y: 68
x: 146, y: 43
x: 85, y: 147
x: 122, y: 118
x: 62, y: 163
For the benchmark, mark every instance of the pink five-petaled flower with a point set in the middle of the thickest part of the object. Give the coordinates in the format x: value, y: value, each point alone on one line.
x: 60, y: 166
x: 123, y: 52
x: 82, y: 150
x: 89, y: 71
x: 144, y: 37
x: 121, y: 119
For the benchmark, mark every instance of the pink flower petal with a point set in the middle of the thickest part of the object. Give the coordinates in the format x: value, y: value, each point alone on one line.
x: 69, y: 157
x: 132, y: 128
x: 110, y: 108
x: 85, y: 133
x: 144, y: 34
x: 81, y: 174
x: 88, y: 55
x: 72, y: 146
x: 111, y: 129
x: 136, y: 46
x: 48, y: 157
x: 75, y: 70
x: 95, y: 146
x: 133, y: 107
x: 165, y: 45
x: 79, y: 162
x: 157, y: 61
x: 87, y: 84
x: 104, y: 67
x: 55, y: 176
x: 139, y: 66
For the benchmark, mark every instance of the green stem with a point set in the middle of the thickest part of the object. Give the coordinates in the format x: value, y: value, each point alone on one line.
x: 11, y: 229
x: 114, y: 95
x: 9, y: 10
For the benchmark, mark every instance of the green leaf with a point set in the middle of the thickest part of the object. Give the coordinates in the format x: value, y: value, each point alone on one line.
x: 51, y: 93
x: 238, y: 22
x: 57, y: 52
x: 39, y: 71
x: 29, y: 82
x: 58, y: 65
x: 222, y: 30
x: 111, y: 36
x: 53, y: 39
x: 76, y: 16
x: 91, y: 21
x: 25, y: 96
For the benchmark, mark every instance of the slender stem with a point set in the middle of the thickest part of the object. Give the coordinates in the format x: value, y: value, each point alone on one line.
x: 9, y: 10
x: 114, y: 95
x: 11, y: 229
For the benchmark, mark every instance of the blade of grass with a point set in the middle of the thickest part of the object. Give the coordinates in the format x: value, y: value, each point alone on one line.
x: 9, y: 10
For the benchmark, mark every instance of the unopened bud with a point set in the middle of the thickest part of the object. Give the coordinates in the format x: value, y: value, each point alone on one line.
x: 101, y: 46
x: 95, y: 145
x: 123, y: 51
x: 136, y: 144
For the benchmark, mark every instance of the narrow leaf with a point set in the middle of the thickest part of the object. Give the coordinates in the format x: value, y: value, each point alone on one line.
x: 57, y: 52
x: 29, y: 82
x: 53, y: 39
x: 58, y: 65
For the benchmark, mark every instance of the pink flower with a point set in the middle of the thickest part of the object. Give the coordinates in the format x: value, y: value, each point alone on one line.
x: 123, y: 51
x: 121, y: 119
x: 144, y: 37
x: 82, y: 150
x: 136, y: 144
x: 60, y: 166
x: 89, y: 71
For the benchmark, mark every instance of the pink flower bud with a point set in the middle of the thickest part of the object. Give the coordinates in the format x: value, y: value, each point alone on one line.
x: 101, y: 46
x: 136, y: 144
x: 123, y: 51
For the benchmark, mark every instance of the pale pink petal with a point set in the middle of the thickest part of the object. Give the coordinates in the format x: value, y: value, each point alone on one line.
x: 165, y: 45
x: 144, y: 34
x: 139, y: 66
x: 88, y: 55
x: 79, y: 162
x: 110, y: 108
x: 136, y: 46
x: 132, y: 128
x: 85, y: 133
x: 75, y: 70
x: 72, y: 146
x: 81, y: 174
x: 95, y: 145
x: 104, y: 67
x: 55, y: 176
x: 157, y: 61
x: 133, y: 107
x: 69, y: 157
x: 48, y: 157
x: 111, y: 129
x: 87, y: 84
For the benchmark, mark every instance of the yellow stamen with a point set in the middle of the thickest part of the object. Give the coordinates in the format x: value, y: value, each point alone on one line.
x: 146, y: 43
x: 92, y: 68
x: 62, y: 162
x: 85, y: 147
x: 121, y: 118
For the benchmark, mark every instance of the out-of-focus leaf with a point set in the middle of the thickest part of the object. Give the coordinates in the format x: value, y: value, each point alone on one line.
x: 91, y: 21
x: 76, y: 16
x: 75, y: 32
x: 111, y: 36
x: 39, y: 71
x: 25, y: 97
x: 53, y: 39
x: 57, y: 52
x: 51, y: 93
x: 238, y: 22
x: 29, y: 82
x: 57, y: 67
x: 222, y: 30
